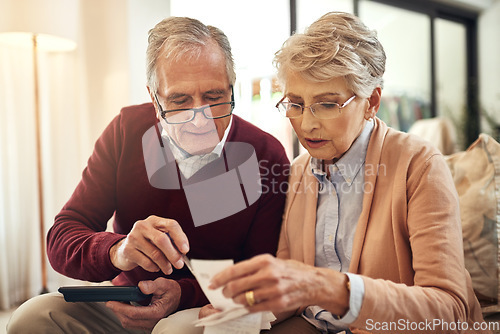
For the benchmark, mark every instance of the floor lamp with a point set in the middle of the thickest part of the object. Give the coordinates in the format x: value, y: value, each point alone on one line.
x: 44, y: 32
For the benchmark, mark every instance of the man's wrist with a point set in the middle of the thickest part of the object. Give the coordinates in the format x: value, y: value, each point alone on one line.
x: 113, y: 257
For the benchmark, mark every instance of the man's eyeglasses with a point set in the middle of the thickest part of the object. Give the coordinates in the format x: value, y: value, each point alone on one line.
x: 321, y: 110
x: 210, y: 111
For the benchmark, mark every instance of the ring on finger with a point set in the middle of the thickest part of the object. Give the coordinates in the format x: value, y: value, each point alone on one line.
x: 249, y: 296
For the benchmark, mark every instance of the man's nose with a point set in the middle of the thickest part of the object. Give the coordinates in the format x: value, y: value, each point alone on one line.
x: 200, y: 120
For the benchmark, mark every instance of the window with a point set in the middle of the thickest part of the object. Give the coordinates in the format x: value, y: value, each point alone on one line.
x: 451, y: 73
x: 431, y: 65
x: 406, y: 38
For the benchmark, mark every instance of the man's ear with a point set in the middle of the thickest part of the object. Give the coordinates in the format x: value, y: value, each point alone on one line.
x: 373, y: 103
x: 150, y: 91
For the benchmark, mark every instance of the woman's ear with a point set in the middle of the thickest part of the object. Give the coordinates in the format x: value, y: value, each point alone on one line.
x: 373, y: 103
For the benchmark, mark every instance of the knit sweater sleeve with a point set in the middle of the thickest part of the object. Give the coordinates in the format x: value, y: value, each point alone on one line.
x: 78, y: 244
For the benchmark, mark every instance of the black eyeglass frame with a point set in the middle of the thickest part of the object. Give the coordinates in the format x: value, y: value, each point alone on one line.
x: 195, y: 110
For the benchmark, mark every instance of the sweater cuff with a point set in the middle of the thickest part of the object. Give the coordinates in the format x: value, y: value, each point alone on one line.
x: 106, y: 241
x: 191, y: 294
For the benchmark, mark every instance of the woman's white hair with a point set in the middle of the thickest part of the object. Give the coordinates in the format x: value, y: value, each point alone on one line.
x: 177, y: 37
x: 336, y: 45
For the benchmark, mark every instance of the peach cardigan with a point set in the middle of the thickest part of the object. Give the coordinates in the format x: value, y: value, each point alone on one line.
x: 408, y: 241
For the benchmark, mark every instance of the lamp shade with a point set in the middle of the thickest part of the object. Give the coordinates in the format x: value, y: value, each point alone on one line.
x: 55, y: 22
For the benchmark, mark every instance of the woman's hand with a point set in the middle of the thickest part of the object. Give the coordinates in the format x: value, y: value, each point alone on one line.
x: 166, y: 297
x: 283, y: 285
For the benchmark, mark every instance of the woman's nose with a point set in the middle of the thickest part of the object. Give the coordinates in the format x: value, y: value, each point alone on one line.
x: 309, y: 121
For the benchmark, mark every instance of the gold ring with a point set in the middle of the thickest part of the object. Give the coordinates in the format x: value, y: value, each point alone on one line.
x: 250, y: 298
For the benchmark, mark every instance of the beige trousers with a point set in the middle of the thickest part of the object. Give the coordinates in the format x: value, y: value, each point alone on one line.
x: 51, y: 314
x: 181, y: 323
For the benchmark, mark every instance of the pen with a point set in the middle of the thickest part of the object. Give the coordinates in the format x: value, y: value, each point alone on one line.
x: 183, y: 256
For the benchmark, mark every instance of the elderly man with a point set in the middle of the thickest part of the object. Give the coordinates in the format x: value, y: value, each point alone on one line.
x: 179, y: 175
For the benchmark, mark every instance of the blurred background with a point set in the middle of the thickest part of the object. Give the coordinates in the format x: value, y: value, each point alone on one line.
x: 442, y: 62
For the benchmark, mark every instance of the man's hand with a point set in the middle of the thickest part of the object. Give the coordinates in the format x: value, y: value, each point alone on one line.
x: 207, y: 310
x: 166, y: 298
x: 149, y: 246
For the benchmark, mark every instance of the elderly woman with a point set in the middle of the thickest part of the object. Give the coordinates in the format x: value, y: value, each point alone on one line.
x: 371, y: 237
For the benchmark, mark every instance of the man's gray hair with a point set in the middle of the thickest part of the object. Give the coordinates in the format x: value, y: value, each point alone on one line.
x: 180, y: 37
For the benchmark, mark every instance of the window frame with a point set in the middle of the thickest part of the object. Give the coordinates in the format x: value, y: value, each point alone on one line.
x: 434, y: 10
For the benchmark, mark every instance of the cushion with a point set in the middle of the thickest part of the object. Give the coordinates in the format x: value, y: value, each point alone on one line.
x: 476, y: 173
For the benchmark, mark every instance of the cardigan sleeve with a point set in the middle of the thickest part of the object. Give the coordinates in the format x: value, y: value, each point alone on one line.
x: 438, y: 295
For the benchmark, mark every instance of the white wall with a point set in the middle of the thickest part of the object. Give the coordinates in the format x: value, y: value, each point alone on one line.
x: 114, y: 36
x: 103, y: 48
x: 142, y: 15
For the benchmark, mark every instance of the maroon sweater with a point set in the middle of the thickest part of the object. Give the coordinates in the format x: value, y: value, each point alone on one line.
x: 115, y: 182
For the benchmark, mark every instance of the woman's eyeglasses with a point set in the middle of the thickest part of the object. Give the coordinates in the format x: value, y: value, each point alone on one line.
x: 321, y: 110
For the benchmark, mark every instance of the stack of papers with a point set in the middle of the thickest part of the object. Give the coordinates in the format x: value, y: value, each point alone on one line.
x: 233, y: 318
